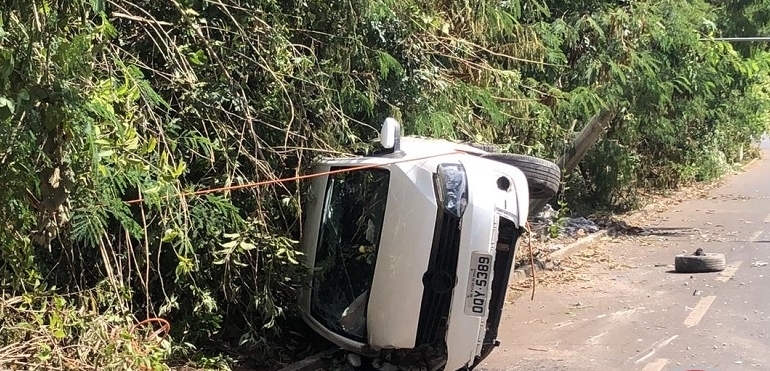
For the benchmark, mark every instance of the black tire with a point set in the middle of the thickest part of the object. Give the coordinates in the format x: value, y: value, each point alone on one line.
x: 491, y: 148
x: 709, y: 262
x: 543, y: 176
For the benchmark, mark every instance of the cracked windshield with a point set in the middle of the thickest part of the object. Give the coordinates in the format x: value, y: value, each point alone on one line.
x: 350, y: 234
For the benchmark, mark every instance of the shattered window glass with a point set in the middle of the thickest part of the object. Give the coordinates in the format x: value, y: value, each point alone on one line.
x: 350, y: 234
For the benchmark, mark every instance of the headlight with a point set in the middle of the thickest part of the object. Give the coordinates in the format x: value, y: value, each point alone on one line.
x: 452, y: 188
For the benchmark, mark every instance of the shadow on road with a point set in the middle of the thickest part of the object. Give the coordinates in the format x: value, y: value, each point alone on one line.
x: 650, y: 231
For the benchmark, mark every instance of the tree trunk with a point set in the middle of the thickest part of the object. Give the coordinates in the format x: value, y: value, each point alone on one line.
x: 587, y: 137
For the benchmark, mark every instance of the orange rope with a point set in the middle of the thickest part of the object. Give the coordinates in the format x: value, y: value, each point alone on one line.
x: 531, y: 259
x: 165, y: 327
x: 298, y: 178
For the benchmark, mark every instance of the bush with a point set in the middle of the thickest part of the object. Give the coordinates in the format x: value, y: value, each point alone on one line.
x: 117, y: 117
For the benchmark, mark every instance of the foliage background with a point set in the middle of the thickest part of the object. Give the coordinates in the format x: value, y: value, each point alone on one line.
x: 107, y: 101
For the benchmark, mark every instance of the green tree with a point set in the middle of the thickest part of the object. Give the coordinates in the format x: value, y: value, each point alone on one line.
x: 117, y: 116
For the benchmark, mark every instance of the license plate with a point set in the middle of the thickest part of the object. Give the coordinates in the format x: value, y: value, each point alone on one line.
x: 479, y: 282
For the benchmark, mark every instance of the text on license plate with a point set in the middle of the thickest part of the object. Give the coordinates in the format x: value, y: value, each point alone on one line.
x: 480, y: 278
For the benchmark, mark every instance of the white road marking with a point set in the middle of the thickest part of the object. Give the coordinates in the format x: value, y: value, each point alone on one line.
x: 593, y: 340
x: 648, y: 355
x: 624, y: 313
x: 667, y: 341
x: 729, y: 271
x: 699, y: 311
x: 755, y: 236
x: 657, y: 365
x: 767, y: 219
x: 656, y: 347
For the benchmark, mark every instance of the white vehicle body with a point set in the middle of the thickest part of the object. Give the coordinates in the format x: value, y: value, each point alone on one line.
x: 434, y: 267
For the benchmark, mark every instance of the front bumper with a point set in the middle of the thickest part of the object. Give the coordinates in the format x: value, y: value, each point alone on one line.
x: 439, y: 280
x: 488, y: 207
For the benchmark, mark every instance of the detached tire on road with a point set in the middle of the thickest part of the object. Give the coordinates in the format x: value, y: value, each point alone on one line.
x: 709, y: 262
x: 543, y: 176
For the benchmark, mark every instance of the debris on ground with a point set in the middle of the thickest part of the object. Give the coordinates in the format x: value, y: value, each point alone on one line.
x: 547, y: 225
x: 759, y: 264
x: 621, y: 228
x: 550, y: 233
x: 581, y: 267
x: 579, y: 227
x: 354, y: 360
x: 546, y: 215
x: 381, y: 365
x: 697, y: 252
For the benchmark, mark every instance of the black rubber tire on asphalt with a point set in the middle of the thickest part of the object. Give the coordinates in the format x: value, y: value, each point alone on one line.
x: 709, y: 262
x: 491, y: 148
x: 543, y: 176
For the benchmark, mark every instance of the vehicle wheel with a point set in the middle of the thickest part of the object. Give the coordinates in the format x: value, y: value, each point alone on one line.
x: 491, y: 148
x: 543, y: 176
x: 708, y: 262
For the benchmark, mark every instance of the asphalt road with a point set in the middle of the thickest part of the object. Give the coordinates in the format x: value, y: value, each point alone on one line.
x: 629, y: 311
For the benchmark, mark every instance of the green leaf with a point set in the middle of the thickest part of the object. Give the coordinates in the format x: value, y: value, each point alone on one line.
x: 151, y: 144
x: 97, y: 6
x: 240, y: 263
x: 59, y: 334
x: 247, y: 246
x: 389, y: 64
x: 230, y: 244
x: 5, y: 102
x: 198, y: 58
x: 170, y: 235
x: 152, y: 190
x: 179, y: 169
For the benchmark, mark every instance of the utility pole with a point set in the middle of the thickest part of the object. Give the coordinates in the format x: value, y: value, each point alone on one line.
x: 738, y: 39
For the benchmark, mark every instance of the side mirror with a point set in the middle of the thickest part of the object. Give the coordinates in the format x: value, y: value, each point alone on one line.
x: 390, y: 136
